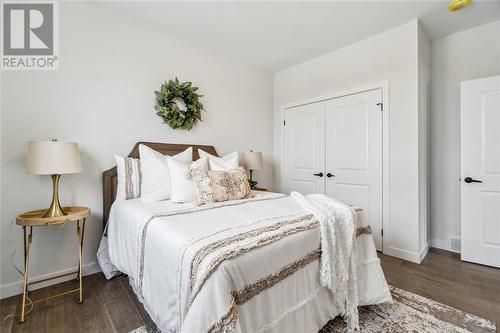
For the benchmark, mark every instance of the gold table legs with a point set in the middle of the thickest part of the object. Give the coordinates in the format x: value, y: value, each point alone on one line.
x: 80, y: 232
x: 27, y: 243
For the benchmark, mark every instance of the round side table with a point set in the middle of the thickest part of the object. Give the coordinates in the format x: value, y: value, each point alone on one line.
x: 35, y: 219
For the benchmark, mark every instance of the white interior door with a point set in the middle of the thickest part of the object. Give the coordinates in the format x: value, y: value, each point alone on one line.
x: 480, y: 155
x: 304, y: 145
x: 354, y: 154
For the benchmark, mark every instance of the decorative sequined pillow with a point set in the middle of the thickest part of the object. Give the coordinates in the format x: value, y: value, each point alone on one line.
x: 216, y: 186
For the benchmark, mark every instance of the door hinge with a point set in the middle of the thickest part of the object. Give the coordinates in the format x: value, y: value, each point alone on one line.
x: 381, y: 106
x: 284, y: 122
x: 382, y: 232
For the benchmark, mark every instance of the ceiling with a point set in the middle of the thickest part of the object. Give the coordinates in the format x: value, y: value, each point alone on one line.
x: 275, y: 35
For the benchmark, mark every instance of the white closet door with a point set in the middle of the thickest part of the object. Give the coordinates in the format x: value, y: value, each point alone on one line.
x: 304, y: 146
x: 480, y: 154
x: 354, y: 154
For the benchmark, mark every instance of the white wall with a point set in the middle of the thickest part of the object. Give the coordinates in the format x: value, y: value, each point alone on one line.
x: 466, y: 55
x: 102, y: 97
x: 389, y: 56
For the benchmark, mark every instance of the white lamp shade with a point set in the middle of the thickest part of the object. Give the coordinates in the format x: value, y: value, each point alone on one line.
x: 252, y: 160
x: 52, y: 158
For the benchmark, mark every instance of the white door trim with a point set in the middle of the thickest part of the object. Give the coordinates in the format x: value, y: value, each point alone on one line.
x: 384, y: 85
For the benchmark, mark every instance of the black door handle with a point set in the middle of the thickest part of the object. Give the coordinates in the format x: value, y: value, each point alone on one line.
x: 318, y: 174
x: 330, y: 175
x: 470, y: 180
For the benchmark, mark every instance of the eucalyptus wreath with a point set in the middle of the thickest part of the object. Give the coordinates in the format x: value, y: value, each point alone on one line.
x: 168, y: 108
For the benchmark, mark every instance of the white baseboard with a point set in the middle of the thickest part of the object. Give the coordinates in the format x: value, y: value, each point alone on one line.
x: 16, y: 287
x: 424, y: 252
x: 415, y: 257
x: 442, y: 244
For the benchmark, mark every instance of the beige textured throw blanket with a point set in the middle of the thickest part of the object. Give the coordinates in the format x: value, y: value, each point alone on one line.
x: 337, y: 262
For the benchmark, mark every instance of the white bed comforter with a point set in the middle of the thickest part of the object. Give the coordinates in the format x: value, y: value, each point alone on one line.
x: 250, y: 265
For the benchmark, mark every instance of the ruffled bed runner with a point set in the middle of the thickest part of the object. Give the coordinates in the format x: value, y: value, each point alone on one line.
x: 337, y: 224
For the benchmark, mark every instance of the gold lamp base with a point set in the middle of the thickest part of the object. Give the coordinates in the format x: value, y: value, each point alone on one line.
x: 55, y: 208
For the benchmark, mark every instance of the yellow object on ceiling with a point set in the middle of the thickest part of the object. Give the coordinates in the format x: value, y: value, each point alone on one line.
x: 458, y: 4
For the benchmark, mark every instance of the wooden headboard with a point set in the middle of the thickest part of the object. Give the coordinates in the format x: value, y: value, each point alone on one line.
x: 109, y: 177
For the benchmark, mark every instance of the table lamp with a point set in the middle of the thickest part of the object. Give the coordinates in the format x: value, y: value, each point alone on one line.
x: 53, y: 158
x: 252, y: 161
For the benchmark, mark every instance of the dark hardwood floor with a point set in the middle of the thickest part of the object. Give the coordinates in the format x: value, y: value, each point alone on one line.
x: 111, y: 306
x: 444, y: 278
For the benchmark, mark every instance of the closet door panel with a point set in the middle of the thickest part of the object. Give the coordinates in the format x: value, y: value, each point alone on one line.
x: 352, y: 137
x: 354, y: 194
x: 304, y: 146
x: 353, y: 141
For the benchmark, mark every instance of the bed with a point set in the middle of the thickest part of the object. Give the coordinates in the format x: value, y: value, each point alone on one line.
x: 250, y: 265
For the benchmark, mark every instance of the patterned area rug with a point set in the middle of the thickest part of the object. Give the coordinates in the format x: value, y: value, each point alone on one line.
x: 409, y: 313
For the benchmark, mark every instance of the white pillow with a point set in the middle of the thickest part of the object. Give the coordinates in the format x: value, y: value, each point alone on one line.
x: 230, y: 161
x: 183, y: 186
x: 216, y: 166
x: 155, y: 184
x: 129, y: 178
